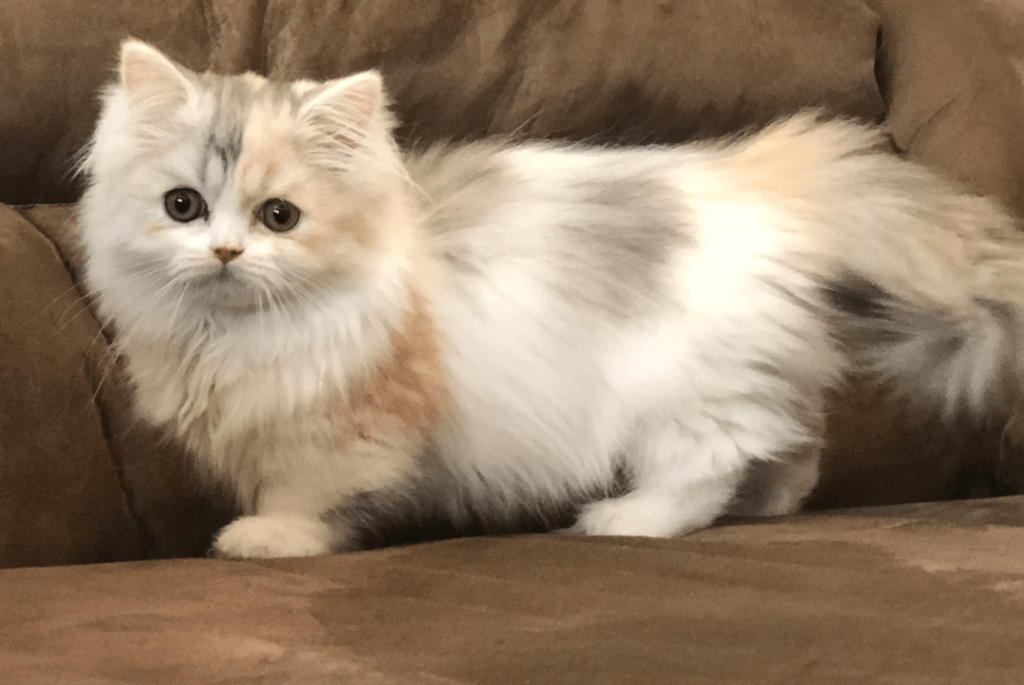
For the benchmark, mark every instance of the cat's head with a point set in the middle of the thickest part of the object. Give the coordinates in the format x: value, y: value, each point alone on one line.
x: 235, y: 193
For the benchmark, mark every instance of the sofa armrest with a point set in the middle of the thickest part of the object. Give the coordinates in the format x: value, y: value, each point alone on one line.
x: 61, y: 495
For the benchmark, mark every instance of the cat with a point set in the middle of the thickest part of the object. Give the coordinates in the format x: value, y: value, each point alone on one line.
x: 343, y: 332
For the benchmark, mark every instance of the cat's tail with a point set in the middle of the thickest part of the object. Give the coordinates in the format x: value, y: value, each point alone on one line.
x: 926, y: 281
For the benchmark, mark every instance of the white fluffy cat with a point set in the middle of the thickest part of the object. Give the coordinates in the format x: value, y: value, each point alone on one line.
x: 339, y: 331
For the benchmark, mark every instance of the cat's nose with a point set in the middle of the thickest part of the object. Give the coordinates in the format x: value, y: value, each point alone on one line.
x: 226, y: 254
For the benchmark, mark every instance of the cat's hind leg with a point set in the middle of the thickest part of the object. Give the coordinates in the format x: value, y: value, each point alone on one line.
x: 686, y: 467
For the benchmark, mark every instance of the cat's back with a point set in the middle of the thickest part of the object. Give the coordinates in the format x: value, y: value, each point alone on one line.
x: 613, y: 230
x: 464, y: 186
x: 592, y: 226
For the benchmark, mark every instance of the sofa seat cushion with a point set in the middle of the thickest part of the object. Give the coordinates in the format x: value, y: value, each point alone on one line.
x: 909, y: 594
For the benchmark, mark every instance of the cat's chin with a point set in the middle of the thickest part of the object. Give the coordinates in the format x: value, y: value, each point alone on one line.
x: 225, y: 292
x: 233, y: 308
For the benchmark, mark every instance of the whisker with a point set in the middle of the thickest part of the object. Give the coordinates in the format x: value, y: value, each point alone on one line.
x: 115, y: 354
x: 259, y: 311
x: 89, y: 295
x: 275, y: 309
x: 177, y: 306
x: 305, y: 296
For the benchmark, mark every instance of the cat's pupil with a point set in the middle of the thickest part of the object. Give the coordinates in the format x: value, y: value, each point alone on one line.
x: 282, y: 214
x: 182, y: 203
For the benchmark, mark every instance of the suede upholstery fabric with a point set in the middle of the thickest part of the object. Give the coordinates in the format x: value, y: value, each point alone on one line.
x: 910, y: 594
x: 61, y: 499
x: 463, y: 69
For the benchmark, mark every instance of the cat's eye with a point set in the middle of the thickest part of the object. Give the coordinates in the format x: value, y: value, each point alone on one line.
x: 278, y: 215
x: 184, y: 205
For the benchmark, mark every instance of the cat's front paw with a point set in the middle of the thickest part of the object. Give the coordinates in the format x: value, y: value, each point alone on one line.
x: 270, y: 537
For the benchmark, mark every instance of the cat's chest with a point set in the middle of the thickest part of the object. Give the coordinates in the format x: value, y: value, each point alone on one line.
x: 224, y: 396
x: 330, y: 391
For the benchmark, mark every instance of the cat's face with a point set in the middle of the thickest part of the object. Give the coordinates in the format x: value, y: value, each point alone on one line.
x: 234, y: 194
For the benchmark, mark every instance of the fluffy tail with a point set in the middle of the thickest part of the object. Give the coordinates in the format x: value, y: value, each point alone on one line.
x: 925, y: 280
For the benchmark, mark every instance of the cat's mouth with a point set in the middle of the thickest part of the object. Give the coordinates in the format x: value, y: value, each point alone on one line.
x: 221, y: 278
x: 229, y: 290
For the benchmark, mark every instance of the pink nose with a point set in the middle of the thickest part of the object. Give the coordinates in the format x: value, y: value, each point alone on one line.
x: 226, y: 254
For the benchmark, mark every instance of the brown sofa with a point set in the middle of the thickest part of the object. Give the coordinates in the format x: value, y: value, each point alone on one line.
x: 911, y: 593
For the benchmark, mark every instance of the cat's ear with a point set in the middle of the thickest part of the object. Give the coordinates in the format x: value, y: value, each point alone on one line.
x: 147, y: 73
x: 346, y: 107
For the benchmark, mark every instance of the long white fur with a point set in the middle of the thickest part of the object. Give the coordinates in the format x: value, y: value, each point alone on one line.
x: 725, y: 362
